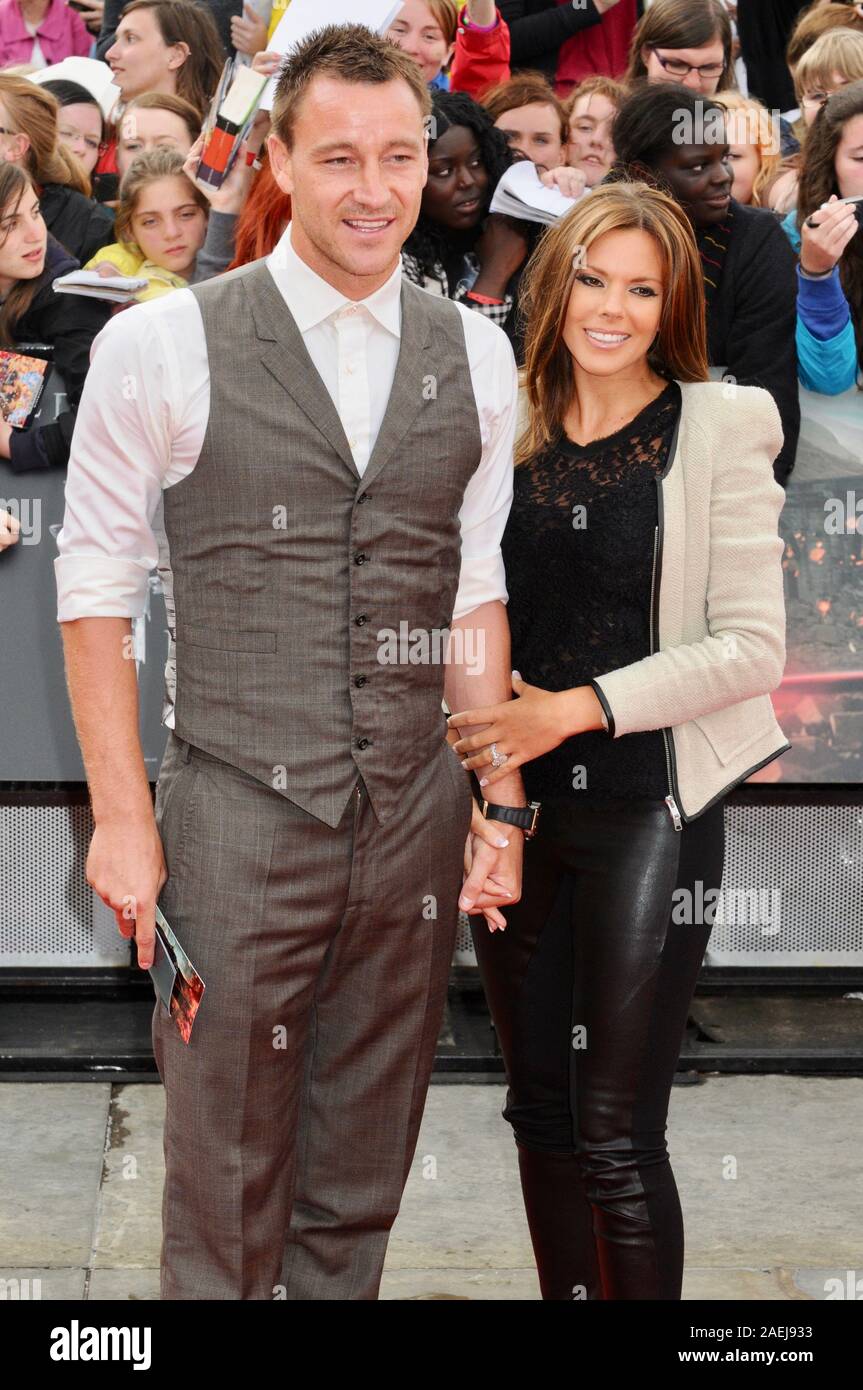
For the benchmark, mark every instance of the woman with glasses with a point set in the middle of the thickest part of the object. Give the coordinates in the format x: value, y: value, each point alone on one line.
x: 81, y: 125
x: 29, y: 137
x: 831, y: 63
x: 686, y: 41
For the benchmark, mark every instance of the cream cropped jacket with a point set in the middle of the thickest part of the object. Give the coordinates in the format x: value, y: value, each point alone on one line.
x: 717, y: 602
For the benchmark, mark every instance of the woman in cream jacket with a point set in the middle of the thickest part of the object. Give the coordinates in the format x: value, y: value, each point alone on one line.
x: 646, y: 609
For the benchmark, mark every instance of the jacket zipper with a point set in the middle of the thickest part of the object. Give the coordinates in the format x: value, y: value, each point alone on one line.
x: 673, y: 790
x: 670, y: 800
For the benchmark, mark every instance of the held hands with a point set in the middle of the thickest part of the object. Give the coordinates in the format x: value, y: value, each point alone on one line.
x: 823, y: 243
x: 492, y: 867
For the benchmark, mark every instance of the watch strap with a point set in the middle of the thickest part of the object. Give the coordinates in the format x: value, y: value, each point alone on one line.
x: 525, y: 817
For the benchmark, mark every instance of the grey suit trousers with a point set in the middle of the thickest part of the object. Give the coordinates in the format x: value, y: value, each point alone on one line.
x: 293, y: 1113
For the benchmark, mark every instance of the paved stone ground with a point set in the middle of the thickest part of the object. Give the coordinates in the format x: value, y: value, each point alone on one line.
x: 81, y: 1181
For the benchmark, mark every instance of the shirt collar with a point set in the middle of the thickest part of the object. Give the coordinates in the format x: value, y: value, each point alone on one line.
x: 311, y: 299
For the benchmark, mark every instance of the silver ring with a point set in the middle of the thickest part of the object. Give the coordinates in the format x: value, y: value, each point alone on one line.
x: 497, y: 759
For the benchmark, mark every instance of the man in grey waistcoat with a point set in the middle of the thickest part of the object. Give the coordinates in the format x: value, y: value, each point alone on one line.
x: 333, y: 450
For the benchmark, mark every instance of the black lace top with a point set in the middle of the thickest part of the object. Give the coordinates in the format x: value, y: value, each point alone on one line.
x: 578, y: 550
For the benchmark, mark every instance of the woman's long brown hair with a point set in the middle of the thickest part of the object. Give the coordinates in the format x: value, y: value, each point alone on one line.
x: 818, y: 182
x: 680, y: 350
x: 185, y: 21
x: 16, y: 184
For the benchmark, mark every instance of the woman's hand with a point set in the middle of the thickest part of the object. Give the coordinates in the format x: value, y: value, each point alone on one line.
x: 92, y: 16
x: 234, y: 190
x: 523, y: 729
x: 6, y: 451
x: 501, y: 250
x: 571, y: 182
x: 267, y: 63
x: 248, y: 32
x: 10, y: 526
x: 822, y: 245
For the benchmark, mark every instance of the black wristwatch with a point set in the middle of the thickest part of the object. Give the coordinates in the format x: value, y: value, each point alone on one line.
x: 525, y: 817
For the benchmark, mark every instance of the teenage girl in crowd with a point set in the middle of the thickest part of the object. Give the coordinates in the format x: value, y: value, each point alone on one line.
x: 753, y: 147
x: 156, y: 120
x: 747, y: 263
x: 473, y: 40
x: 161, y: 225
x: 827, y: 235
x: 531, y: 118
x: 167, y: 46
x: 458, y: 249
x: 80, y: 125
x: 31, y: 312
x: 590, y: 115
x: 627, y: 617
x: 29, y: 137
x: 831, y: 63
x: 685, y: 41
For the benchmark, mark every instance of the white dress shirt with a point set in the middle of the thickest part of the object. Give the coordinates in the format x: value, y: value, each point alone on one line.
x: 143, y: 415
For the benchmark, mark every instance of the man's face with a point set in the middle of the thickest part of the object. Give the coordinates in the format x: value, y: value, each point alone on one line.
x: 355, y: 174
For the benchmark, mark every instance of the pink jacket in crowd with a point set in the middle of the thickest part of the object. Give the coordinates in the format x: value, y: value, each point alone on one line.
x: 62, y: 34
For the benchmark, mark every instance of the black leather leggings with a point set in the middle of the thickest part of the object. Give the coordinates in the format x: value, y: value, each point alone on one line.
x: 589, y: 988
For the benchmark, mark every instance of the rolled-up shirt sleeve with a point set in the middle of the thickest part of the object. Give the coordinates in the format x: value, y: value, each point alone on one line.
x: 121, y: 453
x: 488, y: 495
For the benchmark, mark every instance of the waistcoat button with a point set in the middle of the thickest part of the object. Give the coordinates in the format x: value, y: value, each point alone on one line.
x: 361, y: 558
x: 363, y: 618
x: 360, y: 680
x: 363, y: 742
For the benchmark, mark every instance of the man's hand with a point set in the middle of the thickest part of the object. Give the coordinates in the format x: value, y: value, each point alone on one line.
x: 126, y: 867
x: 5, y: 439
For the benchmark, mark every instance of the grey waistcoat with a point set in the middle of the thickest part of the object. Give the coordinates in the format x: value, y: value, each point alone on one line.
x: 291, y: 572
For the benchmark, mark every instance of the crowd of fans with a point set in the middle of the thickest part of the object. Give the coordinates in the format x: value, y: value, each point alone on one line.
x: 764, y: 97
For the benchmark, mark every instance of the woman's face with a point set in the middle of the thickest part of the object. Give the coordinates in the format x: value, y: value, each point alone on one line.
x: 700, y: 178
x: 79, y: 128
x: 145, y: 128
x: 668, y: 65
x: 140, y: 59
x: 812, y: 101
x: 615, y: 306
x: 456, y: 193
x: 534, y: 131
x: 25, y: 239
x: 416, y: 30
x: 168, y: 224
x: 743, y: 156
x: 590, y: 148
x: 849, y: 159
